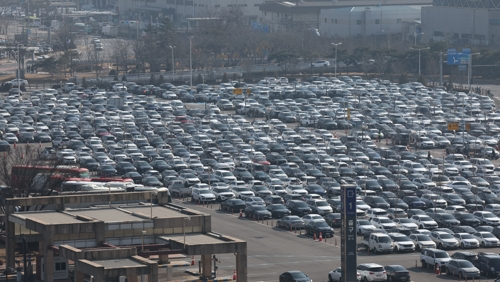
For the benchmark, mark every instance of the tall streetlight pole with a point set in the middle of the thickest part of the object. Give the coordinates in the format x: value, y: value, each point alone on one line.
x: 415, y: 35
x: 190, y: 62
x: 173, y: 63
x: 336, y: 45
x: 18, y: 69
x: 419, y: 50
x: 469, y: 75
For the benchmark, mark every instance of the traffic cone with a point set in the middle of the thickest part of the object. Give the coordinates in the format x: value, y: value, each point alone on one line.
x: 314, y: 237
x: 241, y: 213
x: 15, y: 145
x: 234, y: 275
x: 40, y: 144
x: 192, y: 260
x: 320, y: 236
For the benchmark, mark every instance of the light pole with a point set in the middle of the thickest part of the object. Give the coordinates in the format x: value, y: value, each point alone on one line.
x: 190, y: 62
x: 173, y: 63
x: 419, y: 50
x: 336, y: 45
x: 415, y: 35
x: 18, y: 69
x: 469, y: 75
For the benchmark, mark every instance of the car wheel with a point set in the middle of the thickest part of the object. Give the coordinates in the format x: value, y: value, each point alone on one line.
x: 424, y: 264
x: 482, y: 245
x: 219, y: 199
x: 417, y: 247
x: 440, y: 246
x: 395, y: 249
x: 389, y: 278
x: 330, y: 279
x: 462, y: 246
x: 366, y: 279
x: 447, y: 271
x: 460, y: 276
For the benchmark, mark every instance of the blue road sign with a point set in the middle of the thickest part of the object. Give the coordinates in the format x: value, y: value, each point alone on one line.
x: 458, y: 58
x: 350, y: 201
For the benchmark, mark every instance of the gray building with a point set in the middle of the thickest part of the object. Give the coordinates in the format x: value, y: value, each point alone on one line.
x: 463, y: 22
x: 365, y: 21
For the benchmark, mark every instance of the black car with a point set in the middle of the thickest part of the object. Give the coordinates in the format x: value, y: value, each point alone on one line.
x: 278, y: 210
x: 42, y: 137
x: 257, y: 212
x: 468, y: 219
x: 160, y: 165
x: 4, y: 146
x: 233, y: 205
x: 414, y: 202
x: 397, y: 273
x: 298, y: 207
x: 333, y: 219
x: 397, y: 203
x: 25, y: 137
x: 466, y: 255
x: 294, y: 276
x: 124, y: 167
x: 273, y: 199
x: 464, y: 229
x: 135, y: 176
x: 376, y: 202
x: 317, y: 227
x: 106, y: 170
x: 142, y: 166
x: 445, y: 220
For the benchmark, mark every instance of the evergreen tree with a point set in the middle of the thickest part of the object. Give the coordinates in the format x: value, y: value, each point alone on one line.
x: 225, y: 79
x: 152, y: 79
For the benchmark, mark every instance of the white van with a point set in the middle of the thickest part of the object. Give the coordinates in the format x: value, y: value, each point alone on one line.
x: 378, y: 242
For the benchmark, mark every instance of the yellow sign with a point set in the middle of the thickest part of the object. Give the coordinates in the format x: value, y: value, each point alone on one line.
x: 453, y: 126
x: 348, y: 113
x: 237, y: 91
x: 467, y: 126
x: 248, y: 91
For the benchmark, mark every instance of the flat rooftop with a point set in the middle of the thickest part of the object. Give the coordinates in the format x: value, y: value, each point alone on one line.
x: 195, y: 239
x: 106, y: 215
x: 48, y: 217
x: 159, y: 212
x: 118, y: 263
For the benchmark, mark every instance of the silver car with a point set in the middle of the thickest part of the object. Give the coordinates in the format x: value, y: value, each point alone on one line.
x: 462, y: 268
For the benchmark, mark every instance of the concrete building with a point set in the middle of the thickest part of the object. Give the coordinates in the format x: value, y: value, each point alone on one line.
x: 184, y: 9
x: 300, y: 15
x: 366, y: 21
x: 114, y: 235
x: 462, y: 21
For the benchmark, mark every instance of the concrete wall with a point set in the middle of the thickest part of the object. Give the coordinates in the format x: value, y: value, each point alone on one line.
x: 356, y: 21
x: 455, y: 24
x: 286, y: 21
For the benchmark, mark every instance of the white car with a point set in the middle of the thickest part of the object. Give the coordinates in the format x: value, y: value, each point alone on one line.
x: 242, y: 192
x: 335, y: 275
x: 321, y: 63
x: 383, y: 222
x: 424, y: 221
x: 402, y: 243
x: 364, y: 226
x: 487, y: 218
x: 203, y: 195
x: 466, y: 240
x: 311, y: 217
x: 296, y: 189
x: 372, y: 272
x: 405, y: 223
x: 10, y: 137
x: 222, y: 193
x: 454, y: 209
x: 444, y: 240
x: 486, y: 239
x: 375, y: 212
x: 422, y: 241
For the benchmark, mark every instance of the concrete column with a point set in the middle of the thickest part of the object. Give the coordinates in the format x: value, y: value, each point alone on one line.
x: 100, y: 235
x: 241, y: 263
x: 132, y: 278
x: 163, y: 259
x: 153, y: 273
x: 79, y: 276
x: 206, y: 266
x: 49, y: 265
x: 10, y: 246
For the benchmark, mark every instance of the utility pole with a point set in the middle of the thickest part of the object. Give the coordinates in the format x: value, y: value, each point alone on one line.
x: 173, y: 63
x: 336, y: 45
x: 440, y: 68
x: 190, y: 62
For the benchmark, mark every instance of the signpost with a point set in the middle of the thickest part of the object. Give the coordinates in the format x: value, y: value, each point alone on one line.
x: 237, y: 91
x: 452, y: 126
x: 348, y: 244
x: 348, y: 113
x: 458, y: 58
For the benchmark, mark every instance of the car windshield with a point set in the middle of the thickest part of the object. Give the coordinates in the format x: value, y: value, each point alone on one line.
x: 385, y: 220
x: 401, y: 239
x: 259, y: 208
x: 298, y: 275
x: 423, y: 238
x: 467, y: 236
x: 405, y: 220
x: 364, y: 222
x: 384, y: 239
x: 322, y: 204
x: 465, y: 264
x: 488, y: 235
x: 441, y: 255
x: 321, y: 224
x: 445, y: 236
x: 488, y: 215
x: 425, y: 218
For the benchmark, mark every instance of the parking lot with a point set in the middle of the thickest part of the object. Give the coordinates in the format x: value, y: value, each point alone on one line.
x: 280, y: 154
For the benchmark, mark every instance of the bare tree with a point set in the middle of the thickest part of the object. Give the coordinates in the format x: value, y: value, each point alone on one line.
x: 121, y: 55
x: 96, y: 60
x: 26, y: 174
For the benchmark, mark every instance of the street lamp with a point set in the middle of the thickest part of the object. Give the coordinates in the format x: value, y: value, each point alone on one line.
x: 18, y: 69
x: 469, y: 75
x: 415, y: 35
x: 190, y: 62
x: 173, y: 63
x: 336, y: 45
x: 419, y: 49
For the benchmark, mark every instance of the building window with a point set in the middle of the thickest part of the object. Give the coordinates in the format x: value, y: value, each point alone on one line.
x: 334, y: 21
x: 60, y: 266
x: 377, y: 21
x: 358, y: 22
x: 480, y: 37
x: 398, y: 20
x: 456, y: 35
x: 466, y: 36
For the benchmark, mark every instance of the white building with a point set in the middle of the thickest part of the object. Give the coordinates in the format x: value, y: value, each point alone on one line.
x: 365, y: 21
